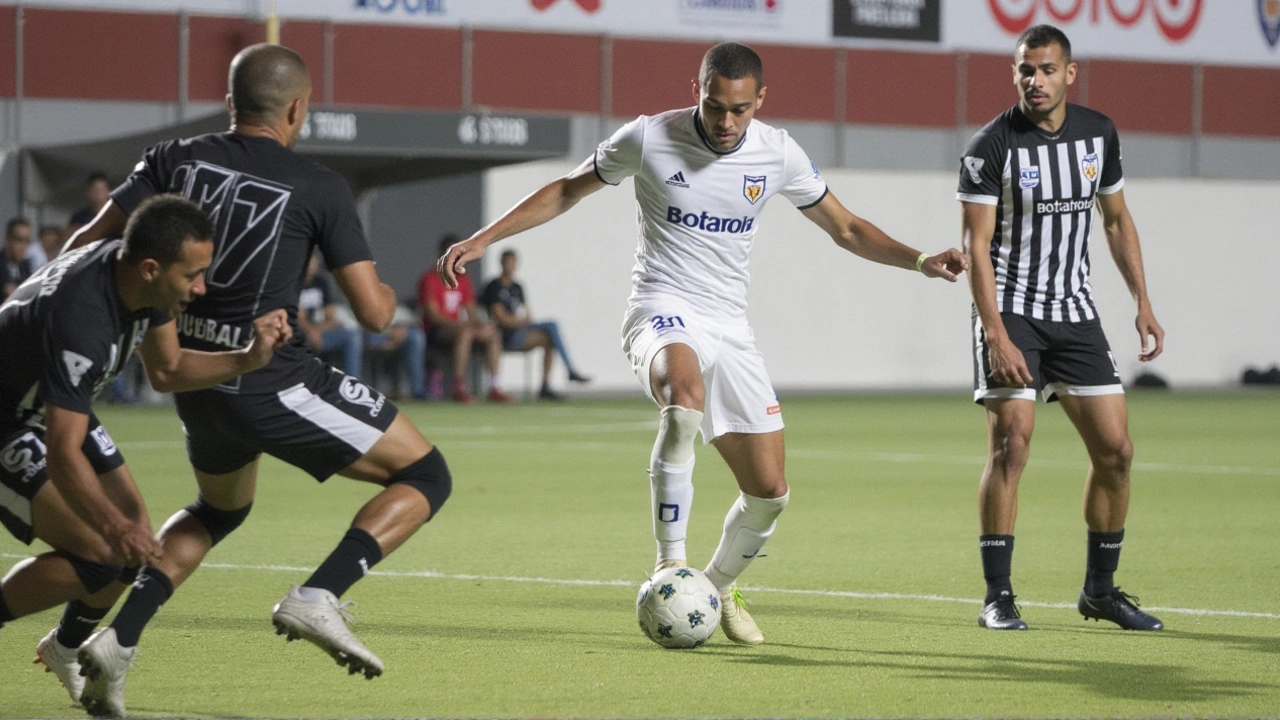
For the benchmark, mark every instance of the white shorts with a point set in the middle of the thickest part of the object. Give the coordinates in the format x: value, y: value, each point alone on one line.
x: 739, y: 396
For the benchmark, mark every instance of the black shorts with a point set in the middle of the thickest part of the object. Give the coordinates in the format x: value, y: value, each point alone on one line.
x: 24, y: 465
x: 1063, y: 358
x: 321, y: 425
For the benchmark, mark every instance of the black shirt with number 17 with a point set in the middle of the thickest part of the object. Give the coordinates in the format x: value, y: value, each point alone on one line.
x: 270, y: 208
x: 1044, y: 187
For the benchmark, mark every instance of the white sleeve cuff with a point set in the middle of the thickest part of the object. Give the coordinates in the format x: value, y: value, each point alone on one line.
x: 1112, y: 188
x: 980, y: 199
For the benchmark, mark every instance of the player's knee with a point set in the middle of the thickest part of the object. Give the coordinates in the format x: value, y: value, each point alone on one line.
x: 218, y: 523
x: 1117, y: 460
x: 93, y: 575
x: 677, y: 428
x: 1011, y: 449
x: 430, y: 476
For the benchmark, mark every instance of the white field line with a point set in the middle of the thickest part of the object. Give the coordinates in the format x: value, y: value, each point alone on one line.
x: 468, y: 438
x: 433, y: 575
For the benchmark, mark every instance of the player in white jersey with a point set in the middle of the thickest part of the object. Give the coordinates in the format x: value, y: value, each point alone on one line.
x: 702, y: 176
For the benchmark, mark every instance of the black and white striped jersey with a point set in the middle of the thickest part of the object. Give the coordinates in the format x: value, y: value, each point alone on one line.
x: 1044, y: 187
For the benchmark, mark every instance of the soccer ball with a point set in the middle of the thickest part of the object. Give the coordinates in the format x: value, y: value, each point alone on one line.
x: 678, y: 608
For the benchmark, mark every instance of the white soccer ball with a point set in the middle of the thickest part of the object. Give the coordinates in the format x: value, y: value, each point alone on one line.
x: 678, y: 608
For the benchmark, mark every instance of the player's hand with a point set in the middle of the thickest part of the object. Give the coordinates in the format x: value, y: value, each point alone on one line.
x: 270, y: 333
x: 947, y: 264
x: 1151, y: 335
x: 454, y: 261
x: 1008, y: 366
x: 134, y: 544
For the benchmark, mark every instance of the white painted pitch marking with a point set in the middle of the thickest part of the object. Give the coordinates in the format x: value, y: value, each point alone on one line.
x: 570, y: 582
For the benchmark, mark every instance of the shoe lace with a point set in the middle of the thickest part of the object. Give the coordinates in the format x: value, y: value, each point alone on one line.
x: 1126, y: 598
x: 343, y: 612
x: 1008, y: 608
x: 736, y: 596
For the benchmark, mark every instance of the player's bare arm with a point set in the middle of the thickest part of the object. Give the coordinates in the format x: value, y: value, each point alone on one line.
x: 1122, y: 237
x: 372, y: 301
x: 543, y: 205
x: 73, y: 476
x: 869, y: 242
x: 109, y: 222
x: 171, y: 368
x: 978, y: 224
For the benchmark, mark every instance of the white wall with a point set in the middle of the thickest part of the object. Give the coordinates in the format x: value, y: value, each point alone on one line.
x: 826, y: 319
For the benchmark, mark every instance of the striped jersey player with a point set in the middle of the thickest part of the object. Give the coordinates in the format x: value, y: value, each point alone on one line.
x: 1029, y: 184
x: 702, y: 175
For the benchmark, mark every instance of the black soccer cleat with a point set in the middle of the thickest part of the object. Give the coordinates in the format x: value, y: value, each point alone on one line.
x: 1119, y: 608
x: 1001, y: 614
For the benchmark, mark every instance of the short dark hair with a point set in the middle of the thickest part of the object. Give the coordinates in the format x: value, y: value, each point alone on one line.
x: 1043, y: 35
x: 95, y: 176
x: 508, y: 253
x: 446, y: 242
x: 160, y: 226
x: 263, y: 80
x: 731, y: 61
x: 13, y: 223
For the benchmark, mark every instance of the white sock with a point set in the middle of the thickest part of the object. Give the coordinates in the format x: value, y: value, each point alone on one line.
x: 747, y: 527
x: 671, y: 479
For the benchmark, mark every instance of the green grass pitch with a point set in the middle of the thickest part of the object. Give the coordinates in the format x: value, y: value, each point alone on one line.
x: 518, y: 599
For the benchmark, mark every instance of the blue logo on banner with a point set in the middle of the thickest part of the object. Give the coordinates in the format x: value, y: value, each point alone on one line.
x: 1029, y: 177
x: 426, y: 7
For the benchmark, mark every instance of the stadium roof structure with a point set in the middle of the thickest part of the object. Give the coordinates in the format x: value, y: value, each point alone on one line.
x: 370, y: 148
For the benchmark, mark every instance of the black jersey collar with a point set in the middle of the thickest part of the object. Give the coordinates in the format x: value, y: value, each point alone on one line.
x: 697, y: 124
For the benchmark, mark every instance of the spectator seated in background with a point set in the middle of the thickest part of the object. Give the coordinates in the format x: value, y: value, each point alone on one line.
x: 318, y: 320
x: 51, y: 241
x: 451, y: 320
x: 504, y: 299
x: 97, y: 191
x: 408, y: 344
x: 16, y: 266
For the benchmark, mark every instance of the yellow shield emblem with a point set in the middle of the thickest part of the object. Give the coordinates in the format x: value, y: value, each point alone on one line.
x: 753, y: 187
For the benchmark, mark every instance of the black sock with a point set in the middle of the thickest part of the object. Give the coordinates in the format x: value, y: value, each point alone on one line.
x: 997, y: 556
x: 150, y: 591
x: 5, y: 614
x: 355, y: 555
x: 1103, y: 559
x: 78, y: 622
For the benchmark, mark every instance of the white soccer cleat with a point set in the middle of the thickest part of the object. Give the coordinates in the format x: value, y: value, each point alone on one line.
x: 669, y: 563
x: 736, y: 622
x: 61, y: 661
x: 105, y: 662
x: 323, y: 621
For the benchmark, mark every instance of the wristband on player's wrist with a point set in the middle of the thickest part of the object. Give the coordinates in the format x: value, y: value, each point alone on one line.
x: 920, y: 262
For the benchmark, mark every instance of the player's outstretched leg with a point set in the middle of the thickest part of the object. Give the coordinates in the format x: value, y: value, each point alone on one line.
x: 671, y: 482
x: 757, y: 464
x: 416, y: 483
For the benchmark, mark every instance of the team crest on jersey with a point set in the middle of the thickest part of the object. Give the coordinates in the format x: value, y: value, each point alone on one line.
x: 1089, y: 165
x: 1029, y: 177
x: 1269, y: 19
x: 753, y: 187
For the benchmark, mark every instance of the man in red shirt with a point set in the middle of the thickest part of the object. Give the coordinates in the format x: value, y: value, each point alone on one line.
x: 451, y: 319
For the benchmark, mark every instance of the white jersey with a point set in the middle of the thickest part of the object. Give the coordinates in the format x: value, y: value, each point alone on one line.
x: 698, y: 207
